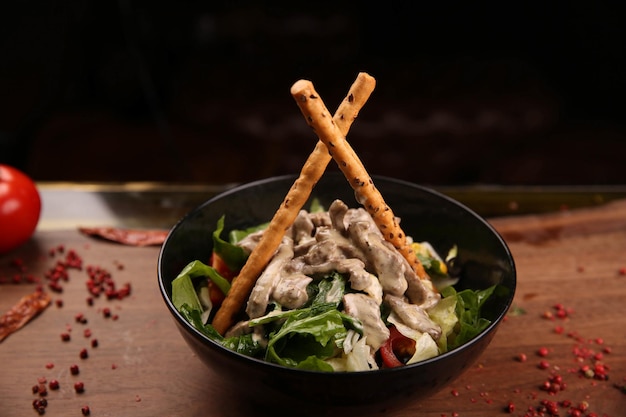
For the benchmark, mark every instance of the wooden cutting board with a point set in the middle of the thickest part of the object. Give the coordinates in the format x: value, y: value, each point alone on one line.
x: 142, y: 366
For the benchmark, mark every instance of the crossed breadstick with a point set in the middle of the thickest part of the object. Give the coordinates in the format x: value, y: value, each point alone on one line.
x: 296, y: 197
x: 367, y: 194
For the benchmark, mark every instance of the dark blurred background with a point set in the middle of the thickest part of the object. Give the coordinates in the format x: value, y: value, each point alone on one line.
x: 492, y: 92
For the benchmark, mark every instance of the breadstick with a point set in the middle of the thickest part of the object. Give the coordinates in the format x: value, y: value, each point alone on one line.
x: 367, y: 194
x: 296, y: 197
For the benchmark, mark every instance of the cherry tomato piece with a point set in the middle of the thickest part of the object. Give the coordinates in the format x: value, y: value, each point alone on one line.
x: 215, y: 294
x: 220, y: 266
x: 20, y: 208
x: 397, y: 349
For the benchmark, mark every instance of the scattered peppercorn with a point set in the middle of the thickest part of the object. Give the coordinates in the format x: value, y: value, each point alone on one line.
x: 83, y: 353
x: 99, y: 281
x: 74, y: 370
x: 40, y: 406
x: 510, y: 408
x: 80, y: 318
x: 79, y: 387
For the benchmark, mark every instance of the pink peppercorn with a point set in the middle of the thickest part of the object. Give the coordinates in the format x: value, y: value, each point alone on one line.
x: 84, y: 354
x: 79, y: 387
x: 80, y: 318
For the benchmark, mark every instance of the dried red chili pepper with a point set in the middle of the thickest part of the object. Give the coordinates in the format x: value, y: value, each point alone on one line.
x: 21, y: 313
x: 132, y: 237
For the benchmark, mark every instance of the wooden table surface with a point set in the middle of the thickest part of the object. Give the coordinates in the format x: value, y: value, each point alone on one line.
x: 142, y: 366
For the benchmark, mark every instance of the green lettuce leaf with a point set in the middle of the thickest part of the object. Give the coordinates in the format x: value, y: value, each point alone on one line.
x: 244, y: 344
x: 316, y: 206
x: 183, y: 290
x: 468, y: 310
x: 236, y: 235
x: 305, y: 337
x: 444, y: 314
x: 194, y: 316
x: 233, y: 256
x: 307, y: 334
x: 329, y: 290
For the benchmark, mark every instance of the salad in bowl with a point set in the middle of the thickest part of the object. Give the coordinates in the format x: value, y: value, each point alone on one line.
x: 334, y: 297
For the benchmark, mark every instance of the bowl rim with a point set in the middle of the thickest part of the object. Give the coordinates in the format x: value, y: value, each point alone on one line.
x: 197, y: 334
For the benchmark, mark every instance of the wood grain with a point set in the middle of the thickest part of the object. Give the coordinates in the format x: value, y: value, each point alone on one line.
x: 570, y: 257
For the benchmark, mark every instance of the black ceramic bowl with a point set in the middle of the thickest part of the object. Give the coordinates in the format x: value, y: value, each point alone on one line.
x: 483, y: 257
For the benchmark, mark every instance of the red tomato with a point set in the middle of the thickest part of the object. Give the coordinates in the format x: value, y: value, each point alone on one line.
x: 216, y: 295
x: 20, y: 207
x: 397, y: 349
x: 221, y: 267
